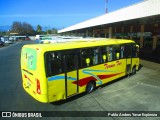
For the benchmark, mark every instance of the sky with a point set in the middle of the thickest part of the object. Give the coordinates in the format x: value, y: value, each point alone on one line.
x: 56, y: 13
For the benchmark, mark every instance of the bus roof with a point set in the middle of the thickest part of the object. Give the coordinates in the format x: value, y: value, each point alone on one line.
x: 78, y: 44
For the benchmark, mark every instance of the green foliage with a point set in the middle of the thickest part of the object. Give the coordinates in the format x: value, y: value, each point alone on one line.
x: 39, y: 29
x: 3, y: 33
x: 52, y: 31
x: 48, y: 31
x: 22, y: 28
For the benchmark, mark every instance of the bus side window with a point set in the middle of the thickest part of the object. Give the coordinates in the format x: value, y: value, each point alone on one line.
x: 117, y: 52
x: 85, y: 58
x: 53, y: 61
x: 70, y: 62
x: 103, y: 55
x: 135, y: 51
x: 95, y: 56
x: 89, y: 57
x: 128, y: 51
x: 110, y: 53
x: 122, y: 52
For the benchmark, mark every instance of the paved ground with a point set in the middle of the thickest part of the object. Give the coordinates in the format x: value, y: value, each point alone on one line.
x: 150, y: 65
x: 136, y: 93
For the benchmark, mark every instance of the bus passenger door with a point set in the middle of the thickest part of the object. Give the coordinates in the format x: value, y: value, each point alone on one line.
x: 71, y: 74
x: 128, y: 51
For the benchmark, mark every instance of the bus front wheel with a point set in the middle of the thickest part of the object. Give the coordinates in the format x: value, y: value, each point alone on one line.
x: 90, y: 87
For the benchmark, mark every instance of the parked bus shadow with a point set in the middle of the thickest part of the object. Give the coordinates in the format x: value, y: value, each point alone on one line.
x: 61, y: 102
x: 112, y: 82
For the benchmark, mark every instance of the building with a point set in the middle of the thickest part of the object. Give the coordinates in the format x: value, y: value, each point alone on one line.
x: 139, y: 22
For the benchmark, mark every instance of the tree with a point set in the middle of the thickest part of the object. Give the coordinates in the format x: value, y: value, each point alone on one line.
x: 16, y: 27
x: 22, y: 28
x: 48, y: 31
x: 39, y: 29
x: 54, y: 31
x: 27, y: 29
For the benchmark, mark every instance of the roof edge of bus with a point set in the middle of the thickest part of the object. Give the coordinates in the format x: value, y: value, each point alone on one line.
x: 67, y: 44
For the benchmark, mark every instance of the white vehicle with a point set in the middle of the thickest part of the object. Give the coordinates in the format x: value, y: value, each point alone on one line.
x: 2, y: 39
x: 55, y: 39
x: 7, y: 40
x: 11, y: 38
x: 47, y: 40
x: 39, y: 37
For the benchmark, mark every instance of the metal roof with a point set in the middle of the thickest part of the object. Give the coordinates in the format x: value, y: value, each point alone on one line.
x: 143, y: 9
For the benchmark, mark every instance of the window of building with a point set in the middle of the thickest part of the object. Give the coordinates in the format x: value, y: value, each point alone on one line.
x: 148, y: 42
x: 136, y: 39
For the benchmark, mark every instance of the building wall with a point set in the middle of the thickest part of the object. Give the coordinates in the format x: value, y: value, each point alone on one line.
x: 139, y: 22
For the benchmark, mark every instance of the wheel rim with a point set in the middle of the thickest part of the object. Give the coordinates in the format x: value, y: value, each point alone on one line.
x: 134, y: 71
x: 90, y: 87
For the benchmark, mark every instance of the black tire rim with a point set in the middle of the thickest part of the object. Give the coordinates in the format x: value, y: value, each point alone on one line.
x: 90, y: 87
x: 134, y: 71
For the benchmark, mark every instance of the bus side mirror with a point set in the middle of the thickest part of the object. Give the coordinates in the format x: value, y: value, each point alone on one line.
x: 117, y: 55
x: 104, y: 58
x: 87, y: 61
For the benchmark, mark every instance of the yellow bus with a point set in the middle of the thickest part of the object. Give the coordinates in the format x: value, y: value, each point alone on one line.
x: 52, y: 72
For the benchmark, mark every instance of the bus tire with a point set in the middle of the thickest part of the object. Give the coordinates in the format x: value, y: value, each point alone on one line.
x: 134, y: 70
x: 90, y: 87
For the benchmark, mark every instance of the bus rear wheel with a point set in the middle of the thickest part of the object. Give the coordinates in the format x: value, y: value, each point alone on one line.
x: 134, y: 70
x: 90, y: 87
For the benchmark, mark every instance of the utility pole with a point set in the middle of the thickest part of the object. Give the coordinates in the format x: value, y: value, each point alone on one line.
x: 106, y: 6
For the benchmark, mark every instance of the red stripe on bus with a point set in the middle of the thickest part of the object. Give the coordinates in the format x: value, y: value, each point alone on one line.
x: 84, y: 81
x: 108, y: 76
